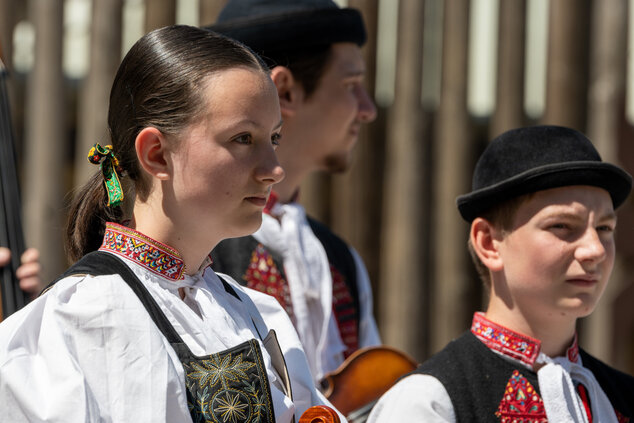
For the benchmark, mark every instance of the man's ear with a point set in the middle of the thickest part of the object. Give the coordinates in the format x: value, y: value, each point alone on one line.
x: 150, y: 149
x: 289, y: 91
x: 485, y: 239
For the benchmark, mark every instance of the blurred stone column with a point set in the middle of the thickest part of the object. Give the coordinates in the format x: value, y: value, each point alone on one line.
x: 45, y: 139
x: 209, y: 11
x: 509, y: 104
x: 402, y: 302
x: 567, y: 68
x: 606, y: 119
x: 453, y: 286
x: 356, y: 194
x: 105, y: 55
x: 159, y: 13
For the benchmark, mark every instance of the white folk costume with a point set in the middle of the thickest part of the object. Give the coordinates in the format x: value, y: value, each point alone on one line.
x: 317, y: 278
x: 89, y: 348
x: 487, y: 375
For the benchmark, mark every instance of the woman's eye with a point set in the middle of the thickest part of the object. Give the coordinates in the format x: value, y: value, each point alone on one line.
x: 243, y: 139
x: 275, y: 139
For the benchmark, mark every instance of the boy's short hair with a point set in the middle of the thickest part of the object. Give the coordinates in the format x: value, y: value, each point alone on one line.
x: 501, y: 216
x: 526, y: 160
x: 292, y: 33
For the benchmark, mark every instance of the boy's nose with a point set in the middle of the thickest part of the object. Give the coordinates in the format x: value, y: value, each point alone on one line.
x: 591, y: 248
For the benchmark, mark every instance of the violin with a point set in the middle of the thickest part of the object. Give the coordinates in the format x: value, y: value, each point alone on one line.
x: 320, y: 414
x: 363, y: 377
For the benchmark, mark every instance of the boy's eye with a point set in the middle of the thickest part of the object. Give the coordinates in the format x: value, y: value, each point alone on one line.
x: 605, y: 228
x: 243, y: 139
x: 275, y: 139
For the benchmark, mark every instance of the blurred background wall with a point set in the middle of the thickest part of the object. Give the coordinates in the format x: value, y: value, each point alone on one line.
x: 447, y: 77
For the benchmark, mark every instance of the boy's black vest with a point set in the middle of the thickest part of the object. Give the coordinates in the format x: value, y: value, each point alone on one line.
x: 476, y: 378
x: 234, y: 256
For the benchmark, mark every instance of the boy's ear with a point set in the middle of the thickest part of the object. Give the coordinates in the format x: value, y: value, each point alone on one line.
x: 485, y: 239
x: 289, y: 91
x: 150, y: 149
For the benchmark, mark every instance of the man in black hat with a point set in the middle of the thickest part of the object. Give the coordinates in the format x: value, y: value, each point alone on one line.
x: 542, y: 221
x: 313, y: 48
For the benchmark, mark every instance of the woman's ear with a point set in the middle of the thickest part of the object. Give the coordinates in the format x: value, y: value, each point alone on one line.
x: 289, y: 91
x: 485, y: 239
x: 150, y: 149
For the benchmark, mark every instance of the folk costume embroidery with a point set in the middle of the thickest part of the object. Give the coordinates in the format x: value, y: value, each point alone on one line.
x: 227, y: 386
x: 521, y: 403
x: 151, y: 254
x: 263, y: 275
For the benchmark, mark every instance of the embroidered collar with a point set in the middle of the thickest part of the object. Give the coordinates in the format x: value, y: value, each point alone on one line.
x: 274, y: 200
x: 513, y: 344
x: 154, y: 256
x: 271, y: 202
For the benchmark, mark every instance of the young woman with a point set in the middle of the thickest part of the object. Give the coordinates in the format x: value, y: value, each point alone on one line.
x: 143, y: 329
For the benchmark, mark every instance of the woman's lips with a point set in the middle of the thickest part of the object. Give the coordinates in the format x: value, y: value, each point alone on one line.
x: 258, y: 201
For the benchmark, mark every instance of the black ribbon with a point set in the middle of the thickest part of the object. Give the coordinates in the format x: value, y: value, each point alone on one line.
x: 11, y: 235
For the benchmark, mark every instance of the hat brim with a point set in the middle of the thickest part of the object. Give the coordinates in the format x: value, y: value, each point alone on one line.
x: 613, y: 179
x: 295, y: 30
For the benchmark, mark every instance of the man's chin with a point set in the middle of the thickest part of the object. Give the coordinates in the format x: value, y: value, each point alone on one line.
x: 338, y: 163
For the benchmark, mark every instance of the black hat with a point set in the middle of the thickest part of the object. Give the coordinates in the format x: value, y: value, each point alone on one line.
x: 273, y: 26
x: 525, y: 160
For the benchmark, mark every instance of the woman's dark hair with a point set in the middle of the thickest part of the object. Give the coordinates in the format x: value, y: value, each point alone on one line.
x: 158, y: 84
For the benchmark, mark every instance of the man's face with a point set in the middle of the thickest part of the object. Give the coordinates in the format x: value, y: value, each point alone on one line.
x: 333, y: 114
x: 559, y: 254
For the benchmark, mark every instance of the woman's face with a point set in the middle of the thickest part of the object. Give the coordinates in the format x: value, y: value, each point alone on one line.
x: 224, y: 164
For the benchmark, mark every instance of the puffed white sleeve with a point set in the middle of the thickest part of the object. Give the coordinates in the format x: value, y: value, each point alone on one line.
x: 414, y: 399
x: 83, y: 352
x: 368, y: 331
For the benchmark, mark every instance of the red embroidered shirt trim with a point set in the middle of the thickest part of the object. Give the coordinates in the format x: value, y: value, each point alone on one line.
x: 154, y: 256
x: 513, y: 344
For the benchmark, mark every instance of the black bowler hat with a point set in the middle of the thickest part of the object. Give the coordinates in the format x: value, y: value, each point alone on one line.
x: 525, y: 160
x: 274, y: 26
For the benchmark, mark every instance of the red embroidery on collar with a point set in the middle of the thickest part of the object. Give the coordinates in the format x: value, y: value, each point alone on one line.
x: 573, y: 351
x: 153, y: 255
x: 270, y: 202
x: 274, y: 198
x: 520, y: 402
x: 505, y: 341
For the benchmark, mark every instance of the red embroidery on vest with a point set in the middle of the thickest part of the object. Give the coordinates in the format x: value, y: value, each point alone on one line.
x: 345, y: 312
x: 263, y: 275
x: 521, y: 403
x: 621, y: 418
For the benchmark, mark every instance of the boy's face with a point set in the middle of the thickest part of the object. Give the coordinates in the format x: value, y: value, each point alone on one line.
x: 559, y: 254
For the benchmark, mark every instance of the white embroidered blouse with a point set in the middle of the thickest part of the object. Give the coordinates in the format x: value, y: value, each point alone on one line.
x: 87, y: 350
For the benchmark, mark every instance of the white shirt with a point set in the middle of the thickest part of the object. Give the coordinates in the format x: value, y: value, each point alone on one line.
x: 310, y: 282
x: 87, y: 350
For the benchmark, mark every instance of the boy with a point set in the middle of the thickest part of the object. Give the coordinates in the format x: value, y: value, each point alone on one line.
x: 313, y: 49
x: 542, y: 236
